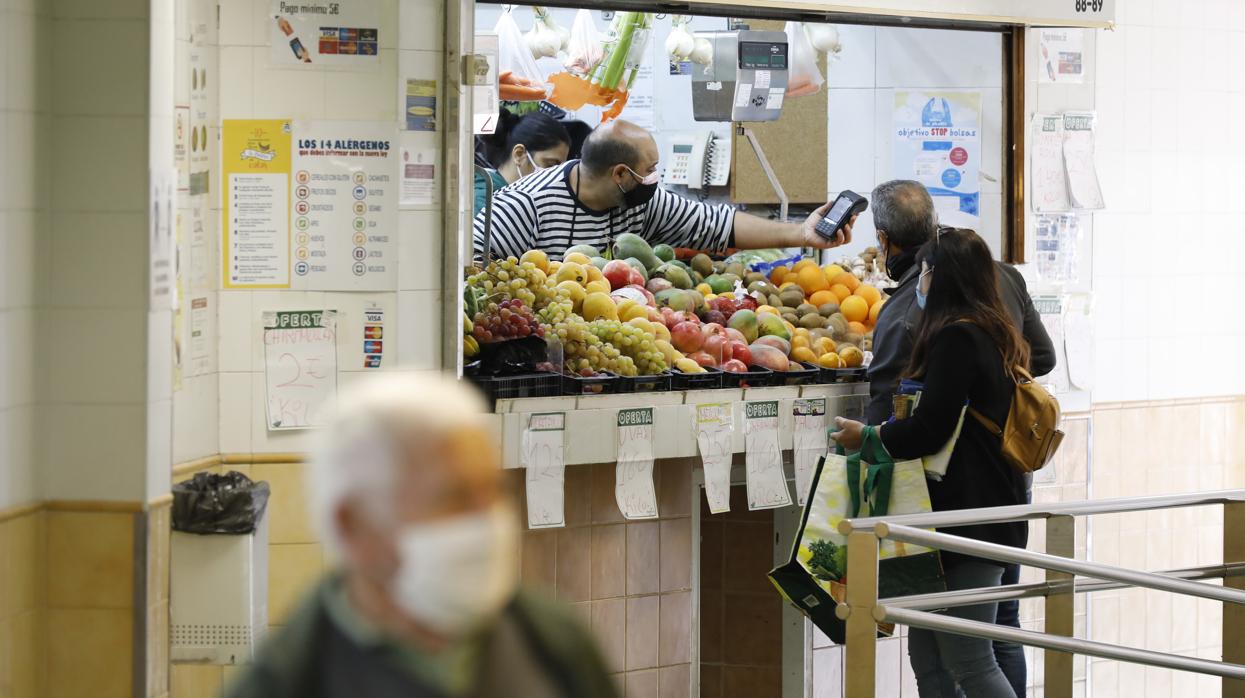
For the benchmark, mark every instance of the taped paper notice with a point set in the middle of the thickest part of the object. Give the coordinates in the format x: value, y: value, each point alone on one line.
x: 1049, y: 179
x: 775, y: 98
x: 767, y: 486
x: 810, y: 443
x: 1078, y: 156
x: 743, y: 93
x: 714, y: 428
x: 633, y: 488
x: 300, y: 359
x: 543, y: 456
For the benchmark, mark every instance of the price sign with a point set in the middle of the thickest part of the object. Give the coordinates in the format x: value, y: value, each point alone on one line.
x: 810, y: 442
x: 543, y: 455
x: 714, y: 427
x: 767, y: 486
x: 633, y: 479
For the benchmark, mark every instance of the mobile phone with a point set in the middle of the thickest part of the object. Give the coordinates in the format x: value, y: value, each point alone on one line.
x: 297, y: 47
x: 847, y: 205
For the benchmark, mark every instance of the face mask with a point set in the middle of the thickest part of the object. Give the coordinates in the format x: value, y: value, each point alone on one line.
x: 536, y: 169
x: 458, y: 573
x: 920, y: 298
x: 643, y: 192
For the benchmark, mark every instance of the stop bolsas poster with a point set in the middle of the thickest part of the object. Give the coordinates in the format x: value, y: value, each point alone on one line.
x: 937, y: 142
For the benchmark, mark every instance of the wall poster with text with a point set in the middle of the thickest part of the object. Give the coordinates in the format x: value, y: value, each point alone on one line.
x: 937, y: 142
x: 339, y: 33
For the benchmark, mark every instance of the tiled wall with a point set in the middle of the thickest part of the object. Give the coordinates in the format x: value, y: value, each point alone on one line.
x: 23, y: 576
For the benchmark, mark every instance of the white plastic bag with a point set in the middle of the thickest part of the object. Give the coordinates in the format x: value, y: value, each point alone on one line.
x: 513, y: 54
x: 585, y: 49
x: 804, y: 77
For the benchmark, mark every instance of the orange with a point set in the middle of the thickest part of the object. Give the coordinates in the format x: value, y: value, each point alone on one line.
x: 778, y: 274
x: 830, y: 360
x: 869, y: 293
x: 803, y: 354
x: 847, y: 279
x: 820, y: 298
x: 874, y: 310
x: 831, y: 271
x: 840, y: 292
x: 800, y: 342
x: 824, y: 345
x: 803, y: 264
x: 857, y: 328
x: 811, y: 279
x: 852, y: 357
x: 854, y: 308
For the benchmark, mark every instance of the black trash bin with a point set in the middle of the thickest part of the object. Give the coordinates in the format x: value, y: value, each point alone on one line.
x: 210, y: 504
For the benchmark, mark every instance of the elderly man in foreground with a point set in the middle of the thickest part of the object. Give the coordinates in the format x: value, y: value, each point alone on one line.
x: 426, y: 604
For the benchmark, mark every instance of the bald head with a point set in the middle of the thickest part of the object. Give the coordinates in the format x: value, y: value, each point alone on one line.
x: 616, y: 143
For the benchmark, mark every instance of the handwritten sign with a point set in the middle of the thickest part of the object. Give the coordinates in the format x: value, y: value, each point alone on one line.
x: 810, y: 442
x: 543, y: 455
x: 767, y: 486
x: 300, y: 359
x: 714, y: 426
x: 1050, y: 185
x: 633, y: 481
x: 1078, y: 157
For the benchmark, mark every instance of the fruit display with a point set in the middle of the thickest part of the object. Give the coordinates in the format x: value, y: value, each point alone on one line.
x: 636, y: 310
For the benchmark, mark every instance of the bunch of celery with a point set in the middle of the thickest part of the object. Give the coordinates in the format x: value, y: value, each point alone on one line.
x: 624, y: 49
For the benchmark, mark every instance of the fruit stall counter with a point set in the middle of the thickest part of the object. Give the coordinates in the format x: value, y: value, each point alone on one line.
x: 591, y: 420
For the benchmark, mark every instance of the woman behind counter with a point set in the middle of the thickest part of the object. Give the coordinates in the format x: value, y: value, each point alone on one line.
x: 965, y: 349
x: 520, y: 146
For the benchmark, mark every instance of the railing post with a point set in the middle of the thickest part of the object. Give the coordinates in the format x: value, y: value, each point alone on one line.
x: 1234, y: 614
x: 1060, y: 607
x: 860, y: 666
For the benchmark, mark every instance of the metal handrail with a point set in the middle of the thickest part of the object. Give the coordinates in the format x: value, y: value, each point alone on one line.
x: 1028, y: 512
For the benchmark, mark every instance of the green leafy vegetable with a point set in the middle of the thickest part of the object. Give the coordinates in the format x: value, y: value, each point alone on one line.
x: 829, y: 561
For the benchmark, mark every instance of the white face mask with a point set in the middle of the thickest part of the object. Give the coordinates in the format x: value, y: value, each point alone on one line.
x: 457, y: 573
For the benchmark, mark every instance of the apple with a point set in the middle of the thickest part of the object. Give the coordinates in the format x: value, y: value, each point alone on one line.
x: 739, y: 351
x: 686, y: 337
x: 703, y: 359
x: 618, y: 273
x: 736, y: 335
x: 734, y: 366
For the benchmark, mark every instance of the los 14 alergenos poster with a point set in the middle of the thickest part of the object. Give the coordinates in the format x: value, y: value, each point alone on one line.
x: 937, y: 142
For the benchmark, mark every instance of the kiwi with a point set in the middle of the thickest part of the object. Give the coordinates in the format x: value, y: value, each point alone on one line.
x: 804, y: 309
x: 867, y: 344
x: 854, y: 338
x: 736, y: 268
x: 753, y: 277
x: 775, y: 300
x: 819, y: 332
x: 791, y: 318
x: 702, y: 264
x: 828, y: 309
x: 719, y: 267
x: 837, y: 324
x: 756, y: 287
x: 845, y: 345
x: 812, y: 321
x: 792, y: 296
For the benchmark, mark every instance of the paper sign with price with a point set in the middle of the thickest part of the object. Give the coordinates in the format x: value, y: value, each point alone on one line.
x: 543, y: 455
x: 767, y: 486
x: 633, y: 480
x: 300, y: 362
x: 810, y: 442
x: 714, y: 427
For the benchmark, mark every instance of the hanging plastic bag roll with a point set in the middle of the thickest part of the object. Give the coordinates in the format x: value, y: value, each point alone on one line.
x: 804, y: 78
x: 519, y: 78
x: 584, y: 50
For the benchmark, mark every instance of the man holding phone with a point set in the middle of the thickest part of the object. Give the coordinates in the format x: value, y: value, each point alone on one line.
x: 615, y: 188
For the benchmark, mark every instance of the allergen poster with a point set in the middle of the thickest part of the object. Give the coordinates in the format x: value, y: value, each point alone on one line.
x: 345, y: 206
x: 255, y: 245
x: 340, y: 33
x: 937, y: 142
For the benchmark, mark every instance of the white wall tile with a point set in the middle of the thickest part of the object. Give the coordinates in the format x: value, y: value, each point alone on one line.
x: 18, y: 480
x: 17, y: 357
x: 95, y: 86
x: 23, y: 245
x: 159, y: 352
x: 102, y: 163
x: 92, y: 9
x: 419, y: 250
x: 99, y: 260
x: 366, y: 96
x: 237, y: 89
x: 944, y: 58
x: 419, y: 329
x: 95, y: 356
x: 26, y: 189
x: 240, y: 23
x: 235, y: 412
x: 420, y: 25
x: 27, y: 50
x: 235, y: 336
x: 93, y: 451
x: 350, y: 308
x: 286, y: 93
x: 828, y: 673
x: 196, y: 411
x: 159, y: 469
x: 850, y: 114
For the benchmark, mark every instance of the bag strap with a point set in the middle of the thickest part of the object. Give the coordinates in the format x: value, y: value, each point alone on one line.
x: 870, y: 481
x: 985, y: 421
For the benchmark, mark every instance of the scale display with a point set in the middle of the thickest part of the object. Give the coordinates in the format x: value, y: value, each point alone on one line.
x: 762, y: 55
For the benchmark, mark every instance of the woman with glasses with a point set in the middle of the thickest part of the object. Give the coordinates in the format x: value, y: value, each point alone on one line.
x: 965, y: 350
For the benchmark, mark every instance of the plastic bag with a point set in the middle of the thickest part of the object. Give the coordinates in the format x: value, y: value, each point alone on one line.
x: 513, y: 55
x: 209, y: 503
x: 804, y: 77
x: 585, y: 49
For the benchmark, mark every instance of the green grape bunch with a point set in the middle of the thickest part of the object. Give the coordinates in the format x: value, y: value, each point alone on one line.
x: 509, y: 278
x: 633, y: 343
x: 584, y: 352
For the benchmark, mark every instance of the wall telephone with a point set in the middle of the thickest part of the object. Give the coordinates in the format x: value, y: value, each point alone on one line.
x: 700, y: 159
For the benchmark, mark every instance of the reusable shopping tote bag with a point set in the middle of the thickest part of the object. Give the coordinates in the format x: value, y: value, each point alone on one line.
x: 907, y: 401
x: 866, y: 483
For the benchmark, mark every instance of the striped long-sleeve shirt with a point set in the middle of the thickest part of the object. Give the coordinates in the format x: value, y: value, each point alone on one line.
x: 540, y: 212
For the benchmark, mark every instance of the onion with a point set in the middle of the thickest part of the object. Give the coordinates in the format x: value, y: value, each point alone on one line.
x: 542, y: 40
x: 824, y: 38
x: 679, y: 43
x: 702, y: 51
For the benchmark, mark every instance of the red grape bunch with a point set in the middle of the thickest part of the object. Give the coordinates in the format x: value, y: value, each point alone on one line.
x: 510, y: 319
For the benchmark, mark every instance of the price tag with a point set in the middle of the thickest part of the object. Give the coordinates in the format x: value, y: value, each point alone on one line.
x: 714, y: 427
x: 544, y: 456
x: 767, y: 486
x: 810, y: 442
x: 633, y: 478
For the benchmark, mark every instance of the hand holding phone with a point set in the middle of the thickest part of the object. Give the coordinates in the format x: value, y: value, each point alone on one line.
x: 845, y: 207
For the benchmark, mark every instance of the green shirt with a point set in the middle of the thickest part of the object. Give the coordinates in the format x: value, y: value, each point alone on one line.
x: 452, y: 670
x: 481, y: 187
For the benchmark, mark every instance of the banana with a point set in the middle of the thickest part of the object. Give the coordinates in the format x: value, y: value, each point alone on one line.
x: 470, y: 347
x: 468, y: 325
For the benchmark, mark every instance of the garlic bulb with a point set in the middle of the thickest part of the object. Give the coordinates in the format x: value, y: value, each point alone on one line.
x: 824, y: 38
x: 542, y: 40
x: 680, y: 43
x: 702, y: 51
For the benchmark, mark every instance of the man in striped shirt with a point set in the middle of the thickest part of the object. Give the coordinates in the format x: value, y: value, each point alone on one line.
x: 614, y: 189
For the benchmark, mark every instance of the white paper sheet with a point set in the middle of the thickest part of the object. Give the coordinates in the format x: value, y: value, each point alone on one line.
x: 811, y: 442
x: 300, y: 359
x: 1061, y: 53
x: 1049, y: 191
x: 633, y: 478
x: 313, y: 33
x: 1078, y: 157
x: 1079, y: 347
x: 714, y: 428
x: 1050, y: 310
x: 543, y: 455
x: 767, y: 486
x: 419, y: 175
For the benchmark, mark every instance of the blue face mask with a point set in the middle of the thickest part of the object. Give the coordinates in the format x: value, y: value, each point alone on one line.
x: 921, y: 296
x: 920, y: 299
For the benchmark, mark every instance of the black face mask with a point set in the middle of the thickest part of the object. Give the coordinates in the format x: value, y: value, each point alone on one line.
x: 640, y: 195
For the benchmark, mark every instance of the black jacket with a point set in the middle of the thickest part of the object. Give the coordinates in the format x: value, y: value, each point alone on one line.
x: 895, y: 334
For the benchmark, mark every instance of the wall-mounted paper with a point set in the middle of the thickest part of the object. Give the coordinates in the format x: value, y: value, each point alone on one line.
x: 340, y: 33
x: 1062, y: 55
x: 1078, y: 157
x: 714, y: 429
x: 633, y: 480
x: 543, y: 455
x: 300, y: 359
x: 1048, y: 176
x: 811, y: 442
x: 767, y: 485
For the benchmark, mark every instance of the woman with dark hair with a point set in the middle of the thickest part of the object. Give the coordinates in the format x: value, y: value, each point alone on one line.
x: 965, y: 352
x: 520, y: 146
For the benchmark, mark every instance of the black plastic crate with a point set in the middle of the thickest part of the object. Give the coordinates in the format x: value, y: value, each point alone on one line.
x: 847, y: 375
x: 644, y: 384
x: 754, y: 377
x: 800, y: 373
x: 601, y: 384
x: 523, y: 385
x: 711, y: 379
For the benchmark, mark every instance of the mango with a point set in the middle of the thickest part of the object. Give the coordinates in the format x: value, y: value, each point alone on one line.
x: 634, y: 311
x: 599, y: 262
x: 664, y: 252
x: 586, y: 250
x: 745, y: 321
x: 777, y: 342
x: 638, y: 266
x: 771, y: 325
x: 632, y: 245
x: 537, y: 257
x: 686, y: 365
x: 677, y: 299
x: 598, y: 306
x: 674, y: 274
x: 702, y: 264
x: 719, y: 283
x: 769, y: 357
